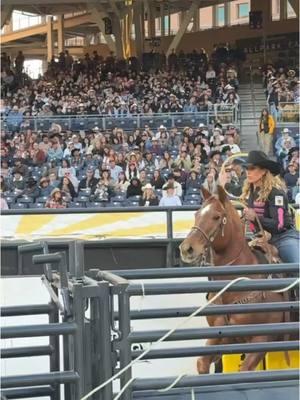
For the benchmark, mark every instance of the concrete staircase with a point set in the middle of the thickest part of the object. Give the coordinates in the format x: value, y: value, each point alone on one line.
x: 253, y: 100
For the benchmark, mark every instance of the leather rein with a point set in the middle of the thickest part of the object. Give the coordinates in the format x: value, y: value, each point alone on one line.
x: 211, y: 237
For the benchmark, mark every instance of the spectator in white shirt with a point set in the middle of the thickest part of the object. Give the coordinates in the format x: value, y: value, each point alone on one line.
x: 170, y: 199
x: 210, y: 73
x: 171, y: 182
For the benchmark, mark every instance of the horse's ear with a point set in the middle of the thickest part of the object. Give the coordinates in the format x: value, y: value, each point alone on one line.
x: 205, y: 193
x: 222, y: 195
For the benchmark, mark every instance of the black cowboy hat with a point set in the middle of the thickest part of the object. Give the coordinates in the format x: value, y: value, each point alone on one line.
x: 74, y: 151
x: 291, y: 151
x: 260, y: 159
x: 225, y: 149
x: 213, y: 153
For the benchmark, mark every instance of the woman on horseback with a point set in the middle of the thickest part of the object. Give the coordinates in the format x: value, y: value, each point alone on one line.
x: 266, y: 196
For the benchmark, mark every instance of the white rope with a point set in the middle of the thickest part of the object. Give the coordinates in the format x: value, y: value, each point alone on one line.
x: 193, y: 394
x: 124, y: 388
x: 172, y: 384
x: 169, y: 333
x: 288, y: 287
x: 142, y: 297
x: 164, y: 337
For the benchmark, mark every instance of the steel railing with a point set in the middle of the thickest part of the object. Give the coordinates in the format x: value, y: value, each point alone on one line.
x: 224, y: 113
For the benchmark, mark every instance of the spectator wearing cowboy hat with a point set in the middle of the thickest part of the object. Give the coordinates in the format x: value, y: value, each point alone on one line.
x: 44, y: 187
x: 229, y: 140
x: 285, y: 134
x: 265, y: 193
x: 18, y: 181
x: 56, y: 199
x: 291, y: 178
x: 177, y: 186
x: 169, y: 199
x: 149, y: 198
x: 31, y: 190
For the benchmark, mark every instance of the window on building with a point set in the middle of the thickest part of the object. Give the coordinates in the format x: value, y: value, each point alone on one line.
x: 275, y: 10
x: 243, y: 10
x: 166, y: 25
x: 205, y: 18
x: 239, y: 12
x: 21, y: 20
x: 157, y: 26
x: 33, y: 68
x: 290, y: 11
x: 174, y: 22
x: 146, y: 30
x: 221, y: 15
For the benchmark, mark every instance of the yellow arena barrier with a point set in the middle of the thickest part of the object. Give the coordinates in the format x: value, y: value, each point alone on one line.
x: 277, y: 360
x: 233, y: 362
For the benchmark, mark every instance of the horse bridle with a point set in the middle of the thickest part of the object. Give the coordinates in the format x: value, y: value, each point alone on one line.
x: 211, y: 237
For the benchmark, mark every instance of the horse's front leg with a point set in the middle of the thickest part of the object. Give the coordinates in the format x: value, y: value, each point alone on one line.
x: 203, y: 362
x: 252, y: 360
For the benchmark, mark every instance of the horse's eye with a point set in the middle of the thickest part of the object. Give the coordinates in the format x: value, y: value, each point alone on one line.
x: 216, y: 217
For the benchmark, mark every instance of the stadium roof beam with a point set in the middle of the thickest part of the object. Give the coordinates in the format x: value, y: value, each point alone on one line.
x: 98, y: 16
x: 186, y: 20
x: 295, y: 6
x: 6, y: 12
x: 42, y: 28
x: 138, y: 20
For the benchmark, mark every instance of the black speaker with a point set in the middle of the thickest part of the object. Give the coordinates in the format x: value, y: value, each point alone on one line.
x: 255, y: 19
x: 107, y: 26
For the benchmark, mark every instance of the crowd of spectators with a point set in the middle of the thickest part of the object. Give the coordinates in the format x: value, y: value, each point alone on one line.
x: 61, y: 168
x: 94, y: 168
x: 97, y: 87
x: 282, y: 88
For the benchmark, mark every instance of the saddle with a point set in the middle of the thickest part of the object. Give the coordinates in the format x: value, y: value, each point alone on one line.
x: 260, y: 243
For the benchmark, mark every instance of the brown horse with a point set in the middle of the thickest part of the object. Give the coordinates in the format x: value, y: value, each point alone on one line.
x: 218, y: 229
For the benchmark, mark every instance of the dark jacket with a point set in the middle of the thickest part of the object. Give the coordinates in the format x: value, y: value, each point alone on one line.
x: 291, y: 180
x: 91, y: 184
x: 152, y: 202
x: 273, y: 213
x: 158, y: 183
x: 134, y: 190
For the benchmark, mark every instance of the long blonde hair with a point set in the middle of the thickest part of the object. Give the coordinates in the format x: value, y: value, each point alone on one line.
x: 269, y: 182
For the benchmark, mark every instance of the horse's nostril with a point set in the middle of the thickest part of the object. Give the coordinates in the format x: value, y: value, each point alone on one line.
x: 190, y: 250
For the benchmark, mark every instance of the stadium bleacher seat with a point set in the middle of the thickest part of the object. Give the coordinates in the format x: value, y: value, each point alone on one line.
x: 37, y: 205
x: 96, y: 204
x: 10, y: 199
x: 115, y: 204
x: 193, y: 196
x: 41, y: 199
x: 76, y: 204
x: 18, y: 206
x: 25, y: 200
x: 191, y: 203
x: 133, y: 203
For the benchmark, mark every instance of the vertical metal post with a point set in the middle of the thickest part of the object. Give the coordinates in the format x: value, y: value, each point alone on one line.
x: 76, y: 258
x: 101, y: 352
x: 124, y: 345
x: 170, y: 255
x: 54, y: 342
x: 78, y: 309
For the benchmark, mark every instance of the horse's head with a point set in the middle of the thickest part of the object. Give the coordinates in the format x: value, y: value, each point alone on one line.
x: 210, y: 228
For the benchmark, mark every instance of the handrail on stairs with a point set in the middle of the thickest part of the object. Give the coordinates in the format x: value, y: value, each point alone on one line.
x: 252, y: 100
